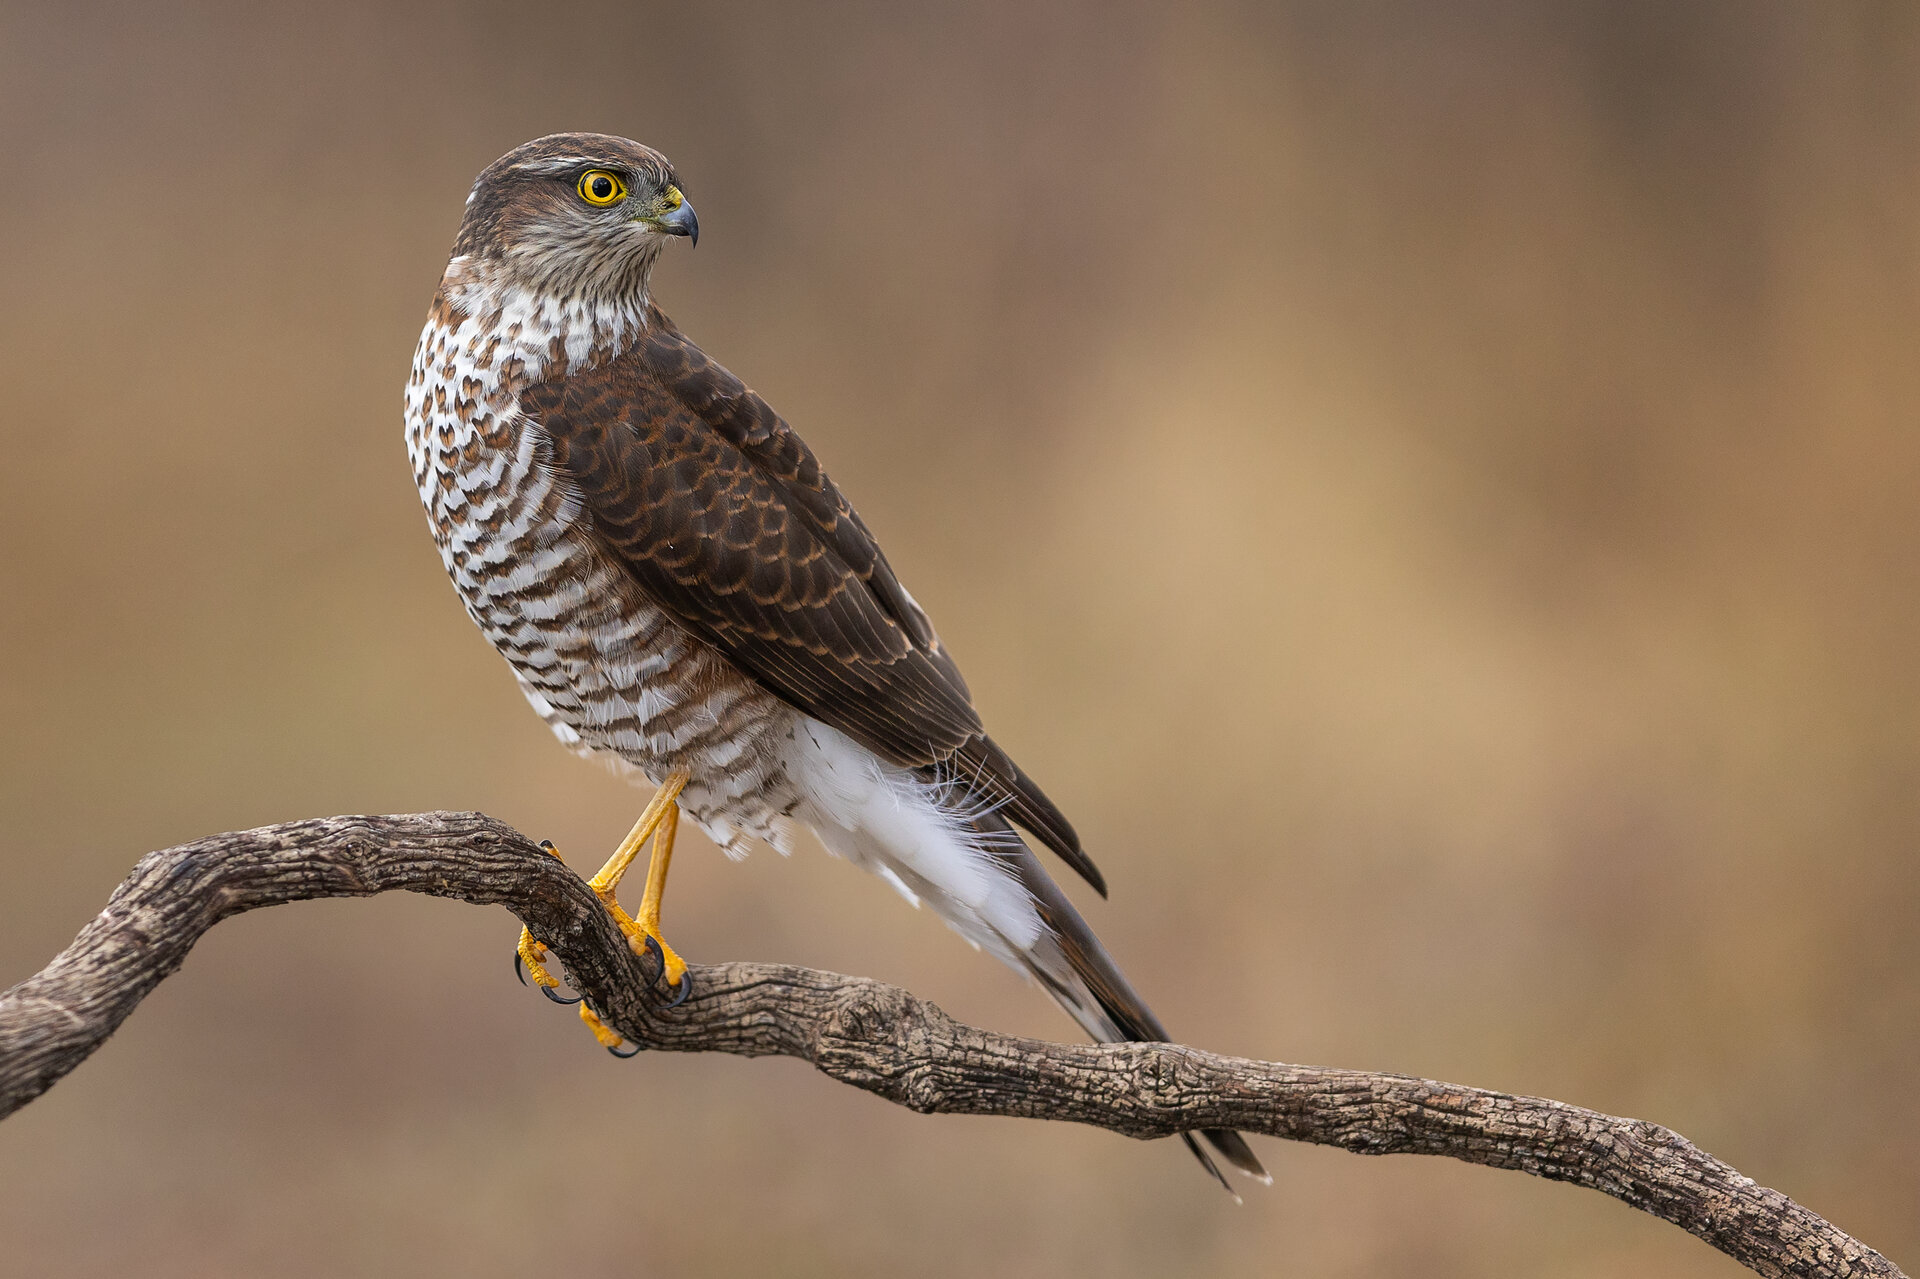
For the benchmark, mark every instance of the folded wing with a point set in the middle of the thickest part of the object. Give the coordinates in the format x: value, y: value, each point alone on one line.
x: 724, y: 517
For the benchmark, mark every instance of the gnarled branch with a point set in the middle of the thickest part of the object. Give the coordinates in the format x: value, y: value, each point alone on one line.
x: 872, y: 1035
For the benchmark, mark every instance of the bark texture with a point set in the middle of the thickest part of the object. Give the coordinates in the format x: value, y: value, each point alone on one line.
x: 871, y: 1035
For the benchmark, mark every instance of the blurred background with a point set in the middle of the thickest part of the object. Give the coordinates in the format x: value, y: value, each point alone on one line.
x: 1429, y: 488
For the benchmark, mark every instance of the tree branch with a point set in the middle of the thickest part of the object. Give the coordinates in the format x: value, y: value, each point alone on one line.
x: 873, y: 1036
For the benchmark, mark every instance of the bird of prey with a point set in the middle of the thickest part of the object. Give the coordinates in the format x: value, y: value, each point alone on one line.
x: 680, y: 588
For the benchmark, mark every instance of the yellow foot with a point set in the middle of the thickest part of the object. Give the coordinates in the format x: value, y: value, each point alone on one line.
x: 643, y: 933
x: 659, y: 822
x: 608, y: 1037
x: 533, y: 956
x: 530, y: 962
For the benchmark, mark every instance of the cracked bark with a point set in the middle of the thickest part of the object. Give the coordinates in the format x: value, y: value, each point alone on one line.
x: 871, y: 1035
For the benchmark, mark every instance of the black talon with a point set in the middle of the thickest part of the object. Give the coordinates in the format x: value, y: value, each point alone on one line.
x: 520, y: 971
x: 633, y: 1050
x: 685, y: 987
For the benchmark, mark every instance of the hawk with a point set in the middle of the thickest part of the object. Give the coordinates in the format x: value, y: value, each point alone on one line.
x: 680, y: 588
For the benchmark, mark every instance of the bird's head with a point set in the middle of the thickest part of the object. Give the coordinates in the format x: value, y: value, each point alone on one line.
x: 579, y: 215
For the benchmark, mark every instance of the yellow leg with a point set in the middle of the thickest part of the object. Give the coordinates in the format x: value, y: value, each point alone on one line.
x: 660, y: 822
x: 649, y: 917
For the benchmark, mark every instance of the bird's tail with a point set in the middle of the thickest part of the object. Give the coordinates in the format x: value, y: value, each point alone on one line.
x: 1069, y: 961
x: 938, y: 845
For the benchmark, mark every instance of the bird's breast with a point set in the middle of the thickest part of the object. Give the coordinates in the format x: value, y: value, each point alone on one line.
x: 609, y: 671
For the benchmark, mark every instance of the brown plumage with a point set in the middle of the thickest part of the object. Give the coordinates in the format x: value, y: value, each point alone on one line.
x: 679, y: 586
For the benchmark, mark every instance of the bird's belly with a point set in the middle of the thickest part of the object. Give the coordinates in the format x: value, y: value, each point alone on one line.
x: 615, y: 677
x: 611, y: 674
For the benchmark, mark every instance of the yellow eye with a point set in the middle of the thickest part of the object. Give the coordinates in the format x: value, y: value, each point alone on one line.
x: 598, y: 186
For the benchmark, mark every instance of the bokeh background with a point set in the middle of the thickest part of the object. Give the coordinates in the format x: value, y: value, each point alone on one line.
x: 1430, y: 488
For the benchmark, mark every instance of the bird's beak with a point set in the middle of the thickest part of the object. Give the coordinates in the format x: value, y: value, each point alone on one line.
x: 681, y: 221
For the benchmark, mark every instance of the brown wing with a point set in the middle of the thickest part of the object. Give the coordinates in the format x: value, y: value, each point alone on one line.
x: 723, y: 516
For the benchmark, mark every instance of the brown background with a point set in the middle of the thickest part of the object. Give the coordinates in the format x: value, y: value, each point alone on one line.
x: 1430, y: 488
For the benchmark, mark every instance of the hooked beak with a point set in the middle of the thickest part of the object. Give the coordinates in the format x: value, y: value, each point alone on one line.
x: 680, y: 221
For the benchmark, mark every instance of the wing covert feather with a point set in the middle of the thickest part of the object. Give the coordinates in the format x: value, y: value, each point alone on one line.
x: 724, y: 517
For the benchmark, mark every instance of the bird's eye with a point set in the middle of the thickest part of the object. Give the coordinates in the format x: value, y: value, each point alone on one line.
x: 598, y: 186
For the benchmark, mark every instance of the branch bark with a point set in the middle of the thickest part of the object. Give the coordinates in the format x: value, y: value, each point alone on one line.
x: 871, y: 1035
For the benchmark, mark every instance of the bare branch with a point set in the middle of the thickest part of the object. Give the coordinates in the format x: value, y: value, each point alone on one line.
x: 873, y: 1036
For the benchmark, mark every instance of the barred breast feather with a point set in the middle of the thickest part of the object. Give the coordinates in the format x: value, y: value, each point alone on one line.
x: 608, y: 671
